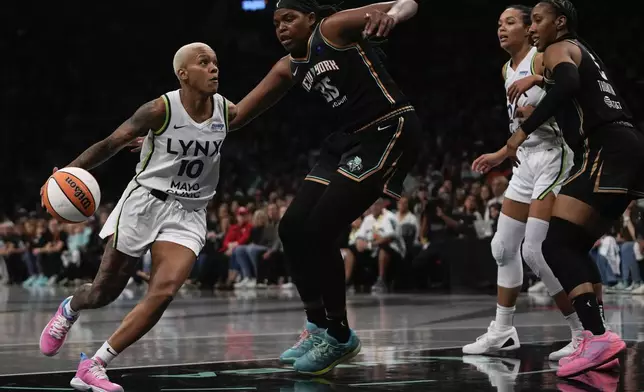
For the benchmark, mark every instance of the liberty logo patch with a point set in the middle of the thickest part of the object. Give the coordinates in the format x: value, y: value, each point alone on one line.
x: 355, y: 164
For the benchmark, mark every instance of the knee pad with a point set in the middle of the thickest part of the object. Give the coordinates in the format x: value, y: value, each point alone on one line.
x: 510, y: 271
x: 535, y: 233
x: 565, y: 250
x: 507, y: 240
x: 533, y: 257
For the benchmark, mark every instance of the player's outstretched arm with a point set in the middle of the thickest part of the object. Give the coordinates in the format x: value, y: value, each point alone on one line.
x: 558, y: 57
x: 267, y: 93
x: 151, y: 115
x: 348, y: 26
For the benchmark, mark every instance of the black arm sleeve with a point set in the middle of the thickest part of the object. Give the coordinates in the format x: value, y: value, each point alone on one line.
x: 566, y: 83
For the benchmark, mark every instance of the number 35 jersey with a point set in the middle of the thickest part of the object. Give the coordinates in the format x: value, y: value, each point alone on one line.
x: 351, y: 81
x: 182, y: 158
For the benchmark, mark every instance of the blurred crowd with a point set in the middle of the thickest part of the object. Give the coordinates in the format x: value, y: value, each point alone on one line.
x: 243, y: 249
x: 459, y: 97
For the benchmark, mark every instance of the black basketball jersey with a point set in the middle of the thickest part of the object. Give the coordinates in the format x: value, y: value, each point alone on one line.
x: 596, y: 103
x: 351, y: 81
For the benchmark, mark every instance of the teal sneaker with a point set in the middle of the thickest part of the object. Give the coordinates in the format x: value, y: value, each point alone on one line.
x: 309, y: 336
x: 326, y: 354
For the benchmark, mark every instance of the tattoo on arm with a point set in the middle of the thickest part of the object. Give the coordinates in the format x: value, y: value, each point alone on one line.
x: 149, y: 116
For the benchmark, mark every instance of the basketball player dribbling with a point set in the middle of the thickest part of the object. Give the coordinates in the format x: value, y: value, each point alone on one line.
x: 162, y: 209
x: 607, y: 175
x: 527, y: 205
x: 368, y: 154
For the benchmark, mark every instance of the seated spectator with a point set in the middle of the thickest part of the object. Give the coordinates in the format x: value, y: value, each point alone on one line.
x: 237, y: 234
x: 248, y: 256
x: 467, y: 216
x: 626, y: 236
x: 52, y: 244
x: 77, y: 242
x: 11, y: 251
x: 499, y: 186
x: 379, y: 237
x: 349, y: 251
x: 607, y: 261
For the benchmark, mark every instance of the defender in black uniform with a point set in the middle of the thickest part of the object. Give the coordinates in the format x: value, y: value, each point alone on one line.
x: 369, y: 153
x: 609, y: 158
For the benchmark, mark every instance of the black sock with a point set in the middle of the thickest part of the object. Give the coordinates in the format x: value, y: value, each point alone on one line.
x: 600, y: 303
x: 317, y: 316
x: 338, y: 327
x: 589, y: 313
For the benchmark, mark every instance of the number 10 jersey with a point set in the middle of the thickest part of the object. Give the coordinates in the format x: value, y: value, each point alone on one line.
x: 351, y: 81
x: 182, y: 158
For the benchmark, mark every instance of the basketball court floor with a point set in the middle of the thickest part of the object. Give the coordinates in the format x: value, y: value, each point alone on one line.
x: 231, y: 342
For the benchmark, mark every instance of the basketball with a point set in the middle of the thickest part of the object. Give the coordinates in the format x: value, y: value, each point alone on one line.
x: 71, y: 195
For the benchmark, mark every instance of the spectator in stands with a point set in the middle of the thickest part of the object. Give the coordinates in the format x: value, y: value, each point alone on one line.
x: 409, y: 226
x: 467, y: 216
x: 484, y: 196
x: 12, y: 250
x: 237, y: 234
x: 248, y: 256
x: 609, y: 273
x: 349, y: 252
x: 499, y: 185
x: 626, y: 237
x: 379, y: 237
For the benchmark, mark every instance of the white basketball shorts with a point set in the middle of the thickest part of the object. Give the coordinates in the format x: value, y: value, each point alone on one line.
x: 539, y: 173
x: 139, y: 219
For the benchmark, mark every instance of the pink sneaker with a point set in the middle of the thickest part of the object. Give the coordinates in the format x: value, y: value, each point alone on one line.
x: 594, y: 351
x: 53, y: 336
x: 91, y: 377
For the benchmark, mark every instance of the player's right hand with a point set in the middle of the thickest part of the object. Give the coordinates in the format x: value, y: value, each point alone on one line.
x: 42, y: 188
x: 486, y: 162
x: 378, y: 23
x: 136, y: 144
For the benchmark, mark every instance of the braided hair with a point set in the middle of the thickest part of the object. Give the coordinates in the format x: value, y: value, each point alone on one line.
x: 525, y: 12
x: 567, y: 9
x: 323, y: 11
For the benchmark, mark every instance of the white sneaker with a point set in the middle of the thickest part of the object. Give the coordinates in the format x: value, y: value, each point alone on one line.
x: 639, y: 290
x: 538, y: 287
x: 288, y: 286
x: 493, y: 341
x: 242, y: 284
x: 251, y: 284
x: 566, y: 351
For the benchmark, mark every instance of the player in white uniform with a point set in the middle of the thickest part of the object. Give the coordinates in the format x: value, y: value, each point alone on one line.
x: 162, y: 209
x: 525, y: 215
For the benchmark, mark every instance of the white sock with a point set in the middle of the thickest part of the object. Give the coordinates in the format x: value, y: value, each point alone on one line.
x: 575, y: 324
x: 106, y: 353
x: 504, y: 317
x: 68, y: 311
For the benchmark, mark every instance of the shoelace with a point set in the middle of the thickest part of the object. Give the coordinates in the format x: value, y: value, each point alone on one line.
x: 581, y: 345
x: 59, y: 327
x: 97, y: 370
x: 320, y: 349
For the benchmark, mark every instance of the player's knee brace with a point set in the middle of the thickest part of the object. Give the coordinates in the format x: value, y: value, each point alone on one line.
x: 565, y: 249
x: 535, y: 233
x: 510, y: 271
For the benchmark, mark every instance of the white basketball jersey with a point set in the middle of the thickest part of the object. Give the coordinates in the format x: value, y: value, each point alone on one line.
x: 182, y: 158
x: 548, y: 132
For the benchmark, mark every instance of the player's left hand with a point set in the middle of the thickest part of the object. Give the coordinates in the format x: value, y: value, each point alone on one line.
x: 513, y: 143
x: 378, y: 24
x: 521, y: 86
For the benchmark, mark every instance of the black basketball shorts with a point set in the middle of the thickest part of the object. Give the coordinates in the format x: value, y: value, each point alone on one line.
x: 386, y: 149
x: 609, y: 170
